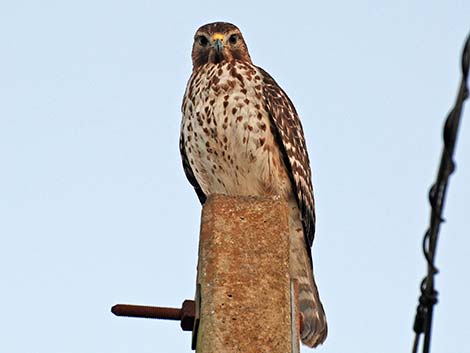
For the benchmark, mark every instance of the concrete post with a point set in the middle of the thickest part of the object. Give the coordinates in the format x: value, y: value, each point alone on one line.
x: 245, y: 292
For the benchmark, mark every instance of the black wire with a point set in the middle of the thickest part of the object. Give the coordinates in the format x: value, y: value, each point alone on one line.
x: 437, y: 193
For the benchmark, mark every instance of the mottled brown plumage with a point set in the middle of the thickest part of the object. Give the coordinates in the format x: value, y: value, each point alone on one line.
x: 241, y: 135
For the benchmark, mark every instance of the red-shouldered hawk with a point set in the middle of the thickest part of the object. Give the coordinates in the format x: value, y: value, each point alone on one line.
x: 241, y: 135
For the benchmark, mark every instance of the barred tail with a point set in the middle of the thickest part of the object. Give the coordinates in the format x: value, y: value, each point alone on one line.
x: 314, y: 325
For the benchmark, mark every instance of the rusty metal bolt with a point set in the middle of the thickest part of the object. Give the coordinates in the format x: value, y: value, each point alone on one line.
x: 186, y: 314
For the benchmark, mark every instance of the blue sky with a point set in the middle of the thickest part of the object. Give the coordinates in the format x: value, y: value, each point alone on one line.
x: 94, y: 206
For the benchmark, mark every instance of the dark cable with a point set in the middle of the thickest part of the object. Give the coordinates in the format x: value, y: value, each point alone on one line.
x: 437, y: 193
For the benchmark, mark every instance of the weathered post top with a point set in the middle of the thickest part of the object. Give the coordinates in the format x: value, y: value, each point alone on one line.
x: 245, y: 290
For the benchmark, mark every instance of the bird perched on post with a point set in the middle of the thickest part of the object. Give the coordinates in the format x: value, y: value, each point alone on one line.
x: 241, y: 135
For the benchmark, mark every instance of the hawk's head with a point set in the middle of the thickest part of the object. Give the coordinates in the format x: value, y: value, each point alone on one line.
x: 217, y: 42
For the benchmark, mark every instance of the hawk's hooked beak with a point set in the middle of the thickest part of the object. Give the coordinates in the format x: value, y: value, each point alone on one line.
x: 218, y: 40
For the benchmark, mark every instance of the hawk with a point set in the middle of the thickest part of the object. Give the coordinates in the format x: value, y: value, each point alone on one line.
x: 241, y: 135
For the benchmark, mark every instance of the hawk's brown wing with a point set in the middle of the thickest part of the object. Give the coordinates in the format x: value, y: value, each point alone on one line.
x: 290, y: 137
x: 189, y: 172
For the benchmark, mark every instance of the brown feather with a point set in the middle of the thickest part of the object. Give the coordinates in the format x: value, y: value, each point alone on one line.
x: 291, y: 139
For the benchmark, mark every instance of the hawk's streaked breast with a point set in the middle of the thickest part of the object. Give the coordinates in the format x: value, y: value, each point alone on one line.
x: 227, y: 132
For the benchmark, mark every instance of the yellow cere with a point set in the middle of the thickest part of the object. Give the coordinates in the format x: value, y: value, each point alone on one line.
x: 218, y: 36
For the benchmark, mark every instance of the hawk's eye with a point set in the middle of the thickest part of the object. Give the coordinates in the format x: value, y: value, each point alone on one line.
x: 202, y: 40
x: 233, y: 39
